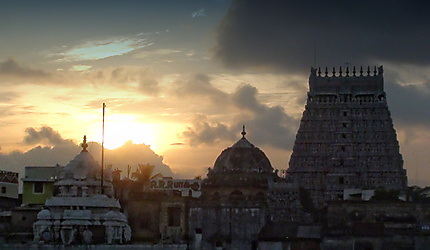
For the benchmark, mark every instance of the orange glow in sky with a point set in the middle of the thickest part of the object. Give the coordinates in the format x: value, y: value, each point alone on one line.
x: 122, y: 128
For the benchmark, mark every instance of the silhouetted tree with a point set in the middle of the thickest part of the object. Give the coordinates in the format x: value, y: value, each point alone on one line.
x: 417, y: 194
x: 143, y: 174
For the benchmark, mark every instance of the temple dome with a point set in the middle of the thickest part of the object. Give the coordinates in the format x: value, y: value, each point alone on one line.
x: 83, y: 166
x: 44, y: 214
x: 84, y: 200
x: 242, y: 157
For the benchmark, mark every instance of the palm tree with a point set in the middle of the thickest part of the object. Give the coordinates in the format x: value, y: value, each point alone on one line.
x: 144, y: 173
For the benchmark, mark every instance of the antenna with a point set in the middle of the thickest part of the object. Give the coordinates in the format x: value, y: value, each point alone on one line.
x: 103, y: 149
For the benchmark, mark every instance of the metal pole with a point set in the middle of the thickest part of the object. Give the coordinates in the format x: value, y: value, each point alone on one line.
x: 103, y: 149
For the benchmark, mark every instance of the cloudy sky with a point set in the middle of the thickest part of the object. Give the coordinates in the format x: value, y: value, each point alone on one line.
x: 179, y: 78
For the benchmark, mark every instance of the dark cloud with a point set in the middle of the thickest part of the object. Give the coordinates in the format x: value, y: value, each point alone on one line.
x: 284, y: 35
x: 45, y: 136
x: 11, y: 67
x: 199, y: 85
x: 204, y: 132
x: 268, y: 125
x: 265, y: 125
x: 408, y: 103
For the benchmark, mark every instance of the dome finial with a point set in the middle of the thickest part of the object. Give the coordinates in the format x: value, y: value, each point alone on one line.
x: 84, y: 144
x: 243, y: 132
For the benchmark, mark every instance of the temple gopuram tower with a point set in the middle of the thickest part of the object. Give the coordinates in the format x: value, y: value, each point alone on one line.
x: 346, y: 138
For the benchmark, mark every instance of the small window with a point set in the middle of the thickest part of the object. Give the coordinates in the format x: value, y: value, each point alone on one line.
x: 3, y: 190
x: 38, y: 187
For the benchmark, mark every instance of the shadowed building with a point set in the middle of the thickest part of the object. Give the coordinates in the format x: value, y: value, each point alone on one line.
x: 233, y: 207
x: 346, y: 137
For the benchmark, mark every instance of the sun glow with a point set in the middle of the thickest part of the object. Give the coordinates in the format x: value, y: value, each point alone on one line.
x: 122, y: 128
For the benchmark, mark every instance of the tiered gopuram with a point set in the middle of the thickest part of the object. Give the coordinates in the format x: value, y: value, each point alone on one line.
x: 346, y: 138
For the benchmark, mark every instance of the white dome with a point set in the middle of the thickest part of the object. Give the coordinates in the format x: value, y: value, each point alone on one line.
x: 44, y: 214
x: 111, y: 215
x: 82, y: 167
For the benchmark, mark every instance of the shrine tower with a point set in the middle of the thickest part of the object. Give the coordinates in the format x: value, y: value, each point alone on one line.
x: 346, y: 137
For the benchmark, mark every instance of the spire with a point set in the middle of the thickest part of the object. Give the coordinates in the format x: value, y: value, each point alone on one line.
x: 243, y: 142
x: 243, y: 132
x: 84, y: 144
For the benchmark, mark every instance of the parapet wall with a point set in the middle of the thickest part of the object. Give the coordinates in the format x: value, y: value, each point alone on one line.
x: 354, y: 83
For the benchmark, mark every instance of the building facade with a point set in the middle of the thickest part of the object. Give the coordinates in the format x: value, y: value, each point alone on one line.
x: 8, y: 184
x: 38, y: 183
x: 346, y: 137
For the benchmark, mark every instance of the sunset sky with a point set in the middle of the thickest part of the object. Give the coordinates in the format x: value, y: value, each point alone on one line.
x: 179, y: 78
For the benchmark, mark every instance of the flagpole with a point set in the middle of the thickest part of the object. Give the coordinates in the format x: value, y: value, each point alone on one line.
x: 103, y: 149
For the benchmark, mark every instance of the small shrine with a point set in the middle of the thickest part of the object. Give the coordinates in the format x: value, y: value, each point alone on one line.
x: 83, y: 210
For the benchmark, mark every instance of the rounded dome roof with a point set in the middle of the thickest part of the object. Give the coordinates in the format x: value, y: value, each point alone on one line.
x: 242, y: 157
x: 44, y: 214
x: 82, y: 166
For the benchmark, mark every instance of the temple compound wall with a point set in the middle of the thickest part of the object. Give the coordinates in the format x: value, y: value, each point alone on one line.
x: 346, y: 137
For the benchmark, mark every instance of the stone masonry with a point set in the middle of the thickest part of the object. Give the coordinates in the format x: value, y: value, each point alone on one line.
x: 346, y: 137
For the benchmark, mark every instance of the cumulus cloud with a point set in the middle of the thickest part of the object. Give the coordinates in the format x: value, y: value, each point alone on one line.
x: 131, y: 154
x: 284, y: 35
x: 44, y: 135
x: 11, y: 67
x: 266, y: 125
x: 64, y: 150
